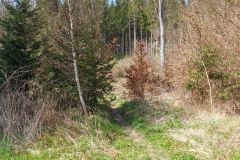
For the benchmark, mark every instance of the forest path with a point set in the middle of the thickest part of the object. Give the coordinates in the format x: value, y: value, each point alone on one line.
x: 138, y: 138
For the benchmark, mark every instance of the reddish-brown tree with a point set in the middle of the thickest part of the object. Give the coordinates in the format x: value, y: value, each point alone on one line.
x: 138, y: 75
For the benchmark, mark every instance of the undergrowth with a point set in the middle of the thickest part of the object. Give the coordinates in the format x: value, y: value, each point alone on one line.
x: 203, y: 136
x: 100, y: 138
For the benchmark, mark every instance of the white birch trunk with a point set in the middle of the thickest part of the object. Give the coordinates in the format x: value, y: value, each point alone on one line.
x: 209, y: 83
x: 92, y: 9
x: 162, y: 44
x: 33, y: 3
x: 75, y: 61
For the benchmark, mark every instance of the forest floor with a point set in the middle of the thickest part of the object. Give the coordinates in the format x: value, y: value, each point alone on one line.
x: 139, y: 132
x: 157, y: 129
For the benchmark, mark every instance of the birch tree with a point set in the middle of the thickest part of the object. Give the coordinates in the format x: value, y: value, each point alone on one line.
x: 162, y: 44
x: 1, y: 9
x: 76, y: 72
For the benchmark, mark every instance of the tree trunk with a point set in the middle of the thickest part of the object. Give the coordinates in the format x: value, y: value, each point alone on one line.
x: 146, y: 42
x: 151, y: 44
x: 130, y: 37
x: 92, y: 9
x: 209, y: 83
x: 33, y: 3
x: 92, y: 5
x: 82, y: 102
x: 122, y: 43
x: 135, y: 34
x: 161, y: 32
x: 125, y: 43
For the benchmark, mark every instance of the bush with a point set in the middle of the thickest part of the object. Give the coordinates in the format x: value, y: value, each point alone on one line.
x: 206, y: 66
x: 138, y: 75
x: 211, y: 66
x: 21, y: 115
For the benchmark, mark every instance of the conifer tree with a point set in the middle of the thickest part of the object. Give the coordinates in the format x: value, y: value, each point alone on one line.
x: 19, y: 41
x: 96, y: 65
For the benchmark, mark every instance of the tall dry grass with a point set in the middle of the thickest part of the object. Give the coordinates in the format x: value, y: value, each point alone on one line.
x: 210, y: 135
x: 21, y: 116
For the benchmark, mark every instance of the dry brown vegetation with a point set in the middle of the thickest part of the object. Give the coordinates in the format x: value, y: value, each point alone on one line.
x: 202, y: 72
x: 138, y: 75
x: 21, y: 116
x: 206, y: 21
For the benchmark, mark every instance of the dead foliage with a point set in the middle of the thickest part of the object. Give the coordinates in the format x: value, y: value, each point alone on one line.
x: 21, y: 116
x: 138, y: 75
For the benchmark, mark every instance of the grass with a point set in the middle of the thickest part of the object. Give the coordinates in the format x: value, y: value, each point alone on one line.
x: 202, y: 135
x: 154, y: 124
x: 104, y: 140
x: 211, y: 135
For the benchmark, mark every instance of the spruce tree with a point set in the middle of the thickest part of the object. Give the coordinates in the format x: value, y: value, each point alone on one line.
x: 96, y: 64
x: 19, y: 41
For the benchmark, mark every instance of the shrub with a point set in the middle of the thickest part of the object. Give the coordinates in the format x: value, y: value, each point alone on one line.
x: 211, y: 66
x: 138, y: 75
x: 21, y: 115
x: 201, y: 69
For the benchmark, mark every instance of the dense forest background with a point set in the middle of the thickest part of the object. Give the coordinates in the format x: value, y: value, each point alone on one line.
x: 71, y: 68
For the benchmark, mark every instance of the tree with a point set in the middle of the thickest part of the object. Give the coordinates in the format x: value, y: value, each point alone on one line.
x: 161, y: 23
x: 76, y: 52
x: 138, y: 75
x: 205, y: 74
x: 96, y: 65
x: 95, y: 60
x: 75, y: 59
x: 1, y: 9
x: 20, y: 42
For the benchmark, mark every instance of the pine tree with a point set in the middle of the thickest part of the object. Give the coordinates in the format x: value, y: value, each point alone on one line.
x: 19, y: 41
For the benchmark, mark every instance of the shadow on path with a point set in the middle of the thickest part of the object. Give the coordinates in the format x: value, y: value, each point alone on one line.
x: 154, y: 153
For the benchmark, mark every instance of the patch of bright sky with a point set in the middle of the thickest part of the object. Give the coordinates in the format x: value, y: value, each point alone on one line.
x: 111, y: 1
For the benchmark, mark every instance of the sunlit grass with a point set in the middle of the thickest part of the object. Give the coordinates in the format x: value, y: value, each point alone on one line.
x: 155, y: 124
x: 104, y: 140
x: 200, y: 136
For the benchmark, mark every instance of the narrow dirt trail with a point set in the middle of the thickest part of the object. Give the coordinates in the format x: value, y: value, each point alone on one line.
x: 138, y: 138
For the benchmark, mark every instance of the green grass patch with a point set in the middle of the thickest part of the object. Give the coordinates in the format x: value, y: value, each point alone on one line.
x: 130, y: 150
x: 235, y: 155
x: 104, y: 140
x: 155, y: 123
